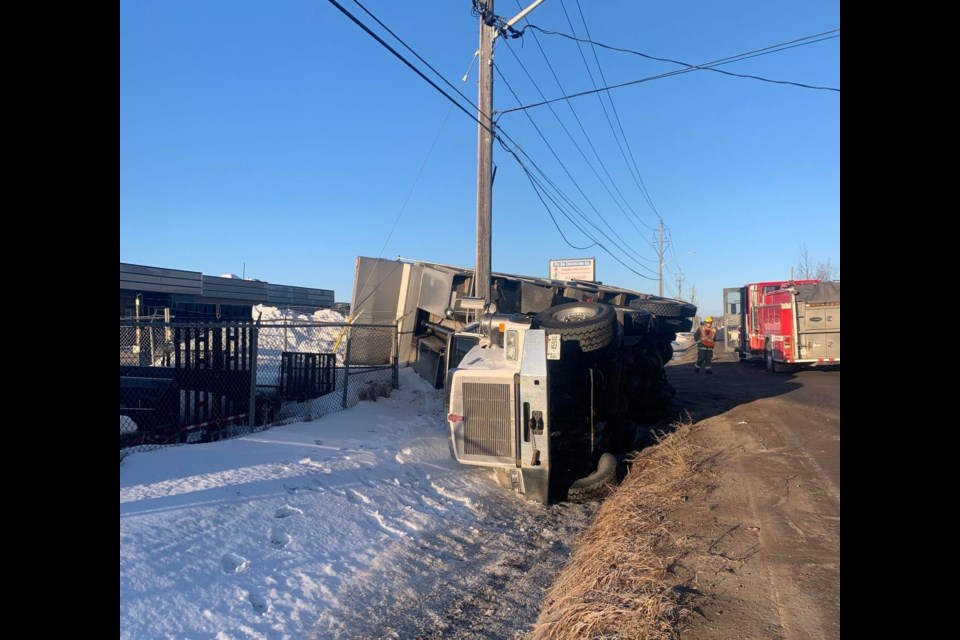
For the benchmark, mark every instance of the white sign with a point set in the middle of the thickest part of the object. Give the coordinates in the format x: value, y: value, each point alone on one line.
x: 553, y: 347
x: 581, y: 269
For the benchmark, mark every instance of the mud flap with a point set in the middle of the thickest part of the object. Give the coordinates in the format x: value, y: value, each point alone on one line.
x: 536, y: 484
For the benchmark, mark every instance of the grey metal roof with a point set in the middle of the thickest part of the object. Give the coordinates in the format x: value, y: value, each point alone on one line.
x: 141, y: 278
x: 137, y: 277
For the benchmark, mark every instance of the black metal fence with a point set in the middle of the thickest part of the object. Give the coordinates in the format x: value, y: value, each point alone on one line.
x: 200, y: 382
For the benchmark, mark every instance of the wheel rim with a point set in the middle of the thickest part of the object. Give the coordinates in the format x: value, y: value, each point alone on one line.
x: 576, y: 314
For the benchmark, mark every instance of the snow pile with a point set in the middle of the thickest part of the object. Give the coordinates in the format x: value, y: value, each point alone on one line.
x: 284, y: 330
x: 274, y: 314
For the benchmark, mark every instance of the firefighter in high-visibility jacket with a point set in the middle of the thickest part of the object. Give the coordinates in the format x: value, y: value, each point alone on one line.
x: 706, y: 340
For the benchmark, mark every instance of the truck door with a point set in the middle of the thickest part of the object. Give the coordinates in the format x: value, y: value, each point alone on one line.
x: 732, y: 311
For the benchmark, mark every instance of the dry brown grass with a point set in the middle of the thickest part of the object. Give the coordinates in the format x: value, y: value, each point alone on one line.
x: 373, y: 390
x: 616, y: 584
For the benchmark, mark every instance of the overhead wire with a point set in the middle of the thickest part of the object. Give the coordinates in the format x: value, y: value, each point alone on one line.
x: 689, y: 68
x: 585, y: 134
x: 516, y: 157
x: 380, y: 40
x: 403, y: 208
x: 536, y: 189
x: 603, y: 107
x: 454, y: 103
x: 418, y: 57
x: 404, y: 60
x: 635, y: 169
x: 569, y: 202
x: 708, y: 68
x: 557, y: 157
x: 538, y: 185
x: 514, y: 153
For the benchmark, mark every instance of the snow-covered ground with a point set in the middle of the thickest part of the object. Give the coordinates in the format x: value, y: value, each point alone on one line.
x: 356, y: 525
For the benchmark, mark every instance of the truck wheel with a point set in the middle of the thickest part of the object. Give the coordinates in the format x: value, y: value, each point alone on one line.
x: 772, y: 365
x: 664, y: 307
x: 768, y: 361
x: 598, y: 484
x: 587, y: 324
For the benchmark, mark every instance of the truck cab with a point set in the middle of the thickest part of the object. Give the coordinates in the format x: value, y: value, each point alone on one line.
x: 545, y: 400
x: 498, y: 403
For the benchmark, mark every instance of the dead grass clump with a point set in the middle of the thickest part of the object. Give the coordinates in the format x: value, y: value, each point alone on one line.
x: 373, y: 390
x: 616, y: 583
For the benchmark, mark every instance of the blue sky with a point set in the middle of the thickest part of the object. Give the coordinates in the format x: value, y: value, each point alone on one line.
x: 281, y: 139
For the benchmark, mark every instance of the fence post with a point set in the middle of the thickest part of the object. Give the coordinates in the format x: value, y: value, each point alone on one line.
x: 254, y: 341
x: 396, y: 357
x: 346, y: 369
x: 138, y: 339
x: 153, y: 357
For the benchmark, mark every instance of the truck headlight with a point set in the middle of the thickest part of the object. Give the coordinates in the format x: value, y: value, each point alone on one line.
x: 510, y: 345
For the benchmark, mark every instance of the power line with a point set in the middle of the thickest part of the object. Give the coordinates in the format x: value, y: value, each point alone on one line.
x: 403, y: 208
x: 603, y: 106
x: 572, y: 179
x: 638, y: 178
x: 586, y: 136
x: 536, y: 190
x: 572, y: 206
x: 417, y: 55
x: 407, y: 62
x: 538, y: 187
x: 599, y: 244
x: 513, y: 153
x: 550, y: 147
x: 704, y: 66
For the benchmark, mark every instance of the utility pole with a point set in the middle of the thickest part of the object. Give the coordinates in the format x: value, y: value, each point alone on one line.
x: 485, y: 134
x: 679, y: 285
x: 481, y: 274
x: 660, y: 255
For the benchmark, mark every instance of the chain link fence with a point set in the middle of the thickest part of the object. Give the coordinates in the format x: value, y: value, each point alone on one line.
x: 201, y: 382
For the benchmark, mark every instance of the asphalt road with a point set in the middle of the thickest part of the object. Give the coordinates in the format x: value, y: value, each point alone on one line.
x: 807, y: 401
x: 761, y: 529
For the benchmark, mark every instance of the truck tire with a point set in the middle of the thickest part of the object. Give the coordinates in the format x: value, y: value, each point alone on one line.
x: 676, y: 325
x: 598, y: 484
x: 664, y: 307
x: 772, y: 365
x: 590, y: 325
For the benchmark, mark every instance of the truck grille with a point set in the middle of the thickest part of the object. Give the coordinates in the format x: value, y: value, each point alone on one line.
x: 488, y: 424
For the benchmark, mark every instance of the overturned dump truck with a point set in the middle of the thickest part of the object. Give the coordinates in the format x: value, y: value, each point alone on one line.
x: 547, y: 383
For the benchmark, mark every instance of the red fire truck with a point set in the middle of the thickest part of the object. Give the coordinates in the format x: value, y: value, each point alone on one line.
x: 790, y: 323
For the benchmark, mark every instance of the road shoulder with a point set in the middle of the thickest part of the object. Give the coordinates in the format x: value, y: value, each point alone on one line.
x: 746, y: 536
